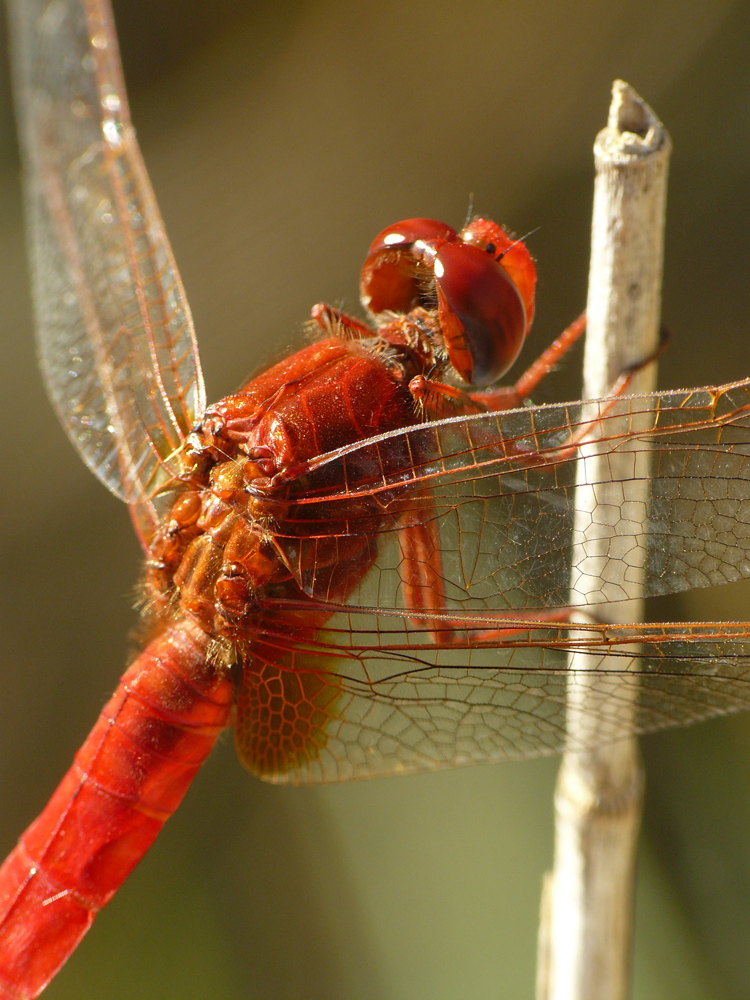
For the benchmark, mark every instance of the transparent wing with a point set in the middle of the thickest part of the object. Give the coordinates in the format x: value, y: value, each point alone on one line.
x: 498, y: 491
x: 115, y: 337
x: 397, y: 701
x: 390, y: 684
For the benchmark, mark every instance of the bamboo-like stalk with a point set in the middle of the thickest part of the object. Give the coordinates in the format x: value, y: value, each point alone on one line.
x: 587, y: 907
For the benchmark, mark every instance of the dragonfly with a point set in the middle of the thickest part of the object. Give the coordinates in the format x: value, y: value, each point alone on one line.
x: 362, y: 559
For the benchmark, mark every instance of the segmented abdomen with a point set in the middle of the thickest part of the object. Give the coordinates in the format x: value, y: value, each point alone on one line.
x: 127, y: 779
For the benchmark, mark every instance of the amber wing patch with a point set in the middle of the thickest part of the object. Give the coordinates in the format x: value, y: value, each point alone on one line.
x: 285, y: 706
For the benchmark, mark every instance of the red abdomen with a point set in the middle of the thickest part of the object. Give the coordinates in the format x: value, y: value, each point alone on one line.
x: 127, y: 780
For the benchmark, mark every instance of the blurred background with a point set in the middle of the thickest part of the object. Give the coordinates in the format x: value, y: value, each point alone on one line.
x: 280, y: 138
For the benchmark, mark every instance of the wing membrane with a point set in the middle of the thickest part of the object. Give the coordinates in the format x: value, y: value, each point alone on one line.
x: 115, y: 335
x: 408, y: 704
x: 483, y: 673
x: 500, y: 492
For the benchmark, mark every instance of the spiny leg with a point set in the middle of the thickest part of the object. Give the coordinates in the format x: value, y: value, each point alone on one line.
x: 335, y: 323
x: 439, y: 400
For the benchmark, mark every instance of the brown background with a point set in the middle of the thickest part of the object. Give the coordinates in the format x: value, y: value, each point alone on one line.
x: 280, y: 138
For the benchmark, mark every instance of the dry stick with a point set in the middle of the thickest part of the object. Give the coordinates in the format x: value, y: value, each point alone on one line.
x: 587, y: 903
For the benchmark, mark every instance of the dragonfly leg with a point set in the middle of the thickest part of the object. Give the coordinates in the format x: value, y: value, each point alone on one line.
x: 424, y: 595
x: 423, y: 584
x: 439, y: 400
x: 586, y: 430
x: 509, y: 397
x: 335, y: 323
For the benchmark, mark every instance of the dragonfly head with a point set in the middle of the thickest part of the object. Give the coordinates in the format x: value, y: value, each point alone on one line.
x: 479, y: 281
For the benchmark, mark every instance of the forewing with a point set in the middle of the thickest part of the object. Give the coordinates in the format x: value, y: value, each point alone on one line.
x: 115, y: 337
x: 499, y: 491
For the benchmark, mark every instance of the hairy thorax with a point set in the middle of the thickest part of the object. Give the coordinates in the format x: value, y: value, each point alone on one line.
x: 233, y: 539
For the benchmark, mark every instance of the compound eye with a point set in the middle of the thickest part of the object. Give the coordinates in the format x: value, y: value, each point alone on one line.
x: 480, y: 310
x: 394, y: 276
x: 512, y: 256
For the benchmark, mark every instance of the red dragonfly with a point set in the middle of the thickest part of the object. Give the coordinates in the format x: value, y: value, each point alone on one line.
x: 363, y: 566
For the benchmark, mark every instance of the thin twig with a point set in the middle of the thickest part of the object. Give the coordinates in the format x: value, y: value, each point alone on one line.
x: 586, y: 932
